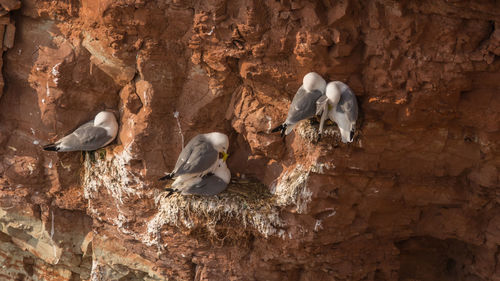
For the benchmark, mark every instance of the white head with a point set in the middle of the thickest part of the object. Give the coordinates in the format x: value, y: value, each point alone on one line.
x: 106, y: 120
x: 222, y: 171
x: 313, y: 81
x: 333, y: 93
x: 219, y: 140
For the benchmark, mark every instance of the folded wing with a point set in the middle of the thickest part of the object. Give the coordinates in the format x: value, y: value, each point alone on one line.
x: 198, y: 156
x: 208, y: 186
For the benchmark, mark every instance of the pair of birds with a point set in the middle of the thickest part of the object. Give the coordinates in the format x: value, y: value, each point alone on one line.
x: 200, y: 169
x: 201, y: 166
x: 334, y: 100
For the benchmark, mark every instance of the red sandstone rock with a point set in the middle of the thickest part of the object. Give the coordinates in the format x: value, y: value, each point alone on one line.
x: 412, y: 198
x: 10, y: 5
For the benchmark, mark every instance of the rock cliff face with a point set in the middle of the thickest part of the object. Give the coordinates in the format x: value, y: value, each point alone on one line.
x: 415, y: 197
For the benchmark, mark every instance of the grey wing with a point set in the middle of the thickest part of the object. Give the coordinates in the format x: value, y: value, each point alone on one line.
x: 210, y: 185
x: 86, y: 137
x: 320, y: 104
x: 303, y: 105
x: 348, y: 104
x: 198, y: 156
x: 86, y: 125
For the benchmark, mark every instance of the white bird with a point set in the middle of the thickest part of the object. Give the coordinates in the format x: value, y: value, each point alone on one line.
x: 341, y: 106
x: 90, y: 136
x: 303, y: 105
x: 199, y: 157
x: 207, y: 185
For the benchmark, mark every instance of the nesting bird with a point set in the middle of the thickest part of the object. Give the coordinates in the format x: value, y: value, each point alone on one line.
x: 199, y: 158
x: 90, y: 136
x: 341, y: 106
x: 303, y: 105
x: 207, y: 185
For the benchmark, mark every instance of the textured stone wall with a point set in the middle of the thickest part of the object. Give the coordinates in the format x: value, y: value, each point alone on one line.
x: 414, y: 197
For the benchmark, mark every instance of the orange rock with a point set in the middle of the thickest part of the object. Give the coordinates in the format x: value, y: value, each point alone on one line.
x: 413, y: 197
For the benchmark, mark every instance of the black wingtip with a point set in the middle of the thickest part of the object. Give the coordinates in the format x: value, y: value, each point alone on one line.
x: 170, y: 191
x: 281, y: 128
x: 51, y: 147
x: 351, y: 135
x: 166, y: 177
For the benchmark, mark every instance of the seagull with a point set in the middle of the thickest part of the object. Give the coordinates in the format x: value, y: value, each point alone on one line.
x: 90, y: 136
x: 341, y: 106
x: 207, y: 185
x: 303, y: 105
x: 199, y: 157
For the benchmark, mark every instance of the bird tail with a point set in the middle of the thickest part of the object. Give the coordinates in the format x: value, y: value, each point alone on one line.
x: 51, y: 147
x: 347, y: 136
x: 352, y: 131
x: 351, y: 135
x: 281, y: 128
x: 166, y: 177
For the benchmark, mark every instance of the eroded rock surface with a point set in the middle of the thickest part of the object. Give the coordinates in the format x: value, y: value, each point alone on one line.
x: 415, y: 197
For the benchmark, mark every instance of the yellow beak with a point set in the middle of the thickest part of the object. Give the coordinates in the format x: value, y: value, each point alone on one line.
x: 224, y: 156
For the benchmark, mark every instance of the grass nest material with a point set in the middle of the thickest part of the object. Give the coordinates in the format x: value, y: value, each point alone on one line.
x: 245, y: 205
x: 309, y: 130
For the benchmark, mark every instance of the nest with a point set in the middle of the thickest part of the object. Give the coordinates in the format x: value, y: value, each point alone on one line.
x: 245, y: 204
x: 247, y: 207
x: 309, y: 130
